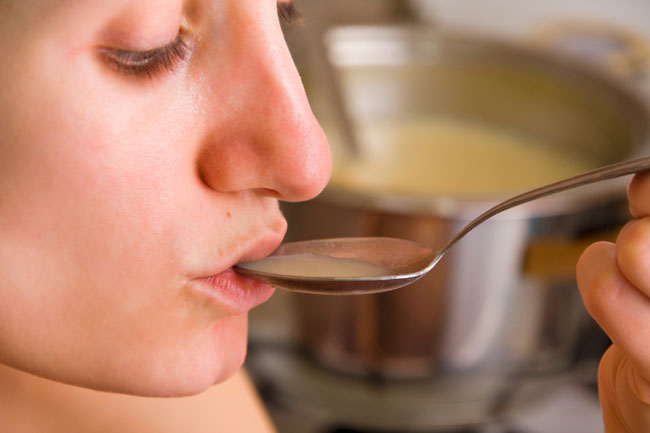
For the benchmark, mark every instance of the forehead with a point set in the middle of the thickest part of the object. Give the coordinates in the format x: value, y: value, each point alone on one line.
x: 46, y: 10
x: 140, y: 11
x: 82, y: 16
x: 58, y: 6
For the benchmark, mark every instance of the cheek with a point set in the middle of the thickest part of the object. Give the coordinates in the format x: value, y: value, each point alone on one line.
x: 100, y: 207
x: 88, y: 160
x: 93, y: 188
x: 94, y: 195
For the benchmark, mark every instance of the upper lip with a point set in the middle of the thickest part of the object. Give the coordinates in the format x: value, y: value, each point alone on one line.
x: 260, y: 248
x: 255, y: 248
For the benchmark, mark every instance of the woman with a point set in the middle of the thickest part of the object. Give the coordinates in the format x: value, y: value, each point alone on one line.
x: 145, y: 145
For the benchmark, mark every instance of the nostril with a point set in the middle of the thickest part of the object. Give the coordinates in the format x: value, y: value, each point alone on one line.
x: 289, y: 162
x: 268, y: 192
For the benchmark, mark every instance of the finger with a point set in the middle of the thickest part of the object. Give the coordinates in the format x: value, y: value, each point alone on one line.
x: 638, y: 192
x: 633, y: 253
x: 619, y: 308
x: 624, y: 395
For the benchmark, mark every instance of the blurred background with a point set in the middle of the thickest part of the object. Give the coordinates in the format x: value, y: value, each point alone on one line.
x: 436, y: 109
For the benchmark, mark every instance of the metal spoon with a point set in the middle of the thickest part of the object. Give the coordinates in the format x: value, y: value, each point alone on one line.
x: 405, y: 261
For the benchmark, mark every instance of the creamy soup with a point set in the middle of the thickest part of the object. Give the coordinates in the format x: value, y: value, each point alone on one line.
x: 310, y: 265
x: 438, y: 156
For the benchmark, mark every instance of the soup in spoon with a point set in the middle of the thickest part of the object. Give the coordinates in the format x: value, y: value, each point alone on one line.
x: 319, y: 266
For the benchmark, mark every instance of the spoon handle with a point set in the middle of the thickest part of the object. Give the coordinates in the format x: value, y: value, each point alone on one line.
x: 593, y: 176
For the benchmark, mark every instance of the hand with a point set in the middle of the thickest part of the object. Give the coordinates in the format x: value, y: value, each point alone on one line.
x: 614, y: 280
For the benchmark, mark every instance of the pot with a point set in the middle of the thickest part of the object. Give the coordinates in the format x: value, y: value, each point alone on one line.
x: 502, y: 307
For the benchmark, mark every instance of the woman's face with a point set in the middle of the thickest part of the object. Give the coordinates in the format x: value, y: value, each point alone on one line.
x: 144, y: 145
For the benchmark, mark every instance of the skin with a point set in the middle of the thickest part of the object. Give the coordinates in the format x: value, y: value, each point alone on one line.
x: 120, y: 195
x: 614, y: 280
x: 30, y: 404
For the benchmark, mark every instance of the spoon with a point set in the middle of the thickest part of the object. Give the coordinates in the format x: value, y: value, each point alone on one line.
x: 347, y: 266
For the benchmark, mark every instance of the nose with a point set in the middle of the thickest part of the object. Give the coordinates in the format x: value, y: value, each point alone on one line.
x: 261, y: 134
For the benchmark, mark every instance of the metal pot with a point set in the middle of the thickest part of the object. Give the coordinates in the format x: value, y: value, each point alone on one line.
x: 502, y: 307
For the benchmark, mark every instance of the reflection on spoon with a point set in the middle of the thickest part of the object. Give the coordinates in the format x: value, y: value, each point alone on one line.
x: 405, y: 261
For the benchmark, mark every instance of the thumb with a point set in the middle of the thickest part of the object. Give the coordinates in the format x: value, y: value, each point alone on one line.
x: 624, y: 394
x: 619, y: 307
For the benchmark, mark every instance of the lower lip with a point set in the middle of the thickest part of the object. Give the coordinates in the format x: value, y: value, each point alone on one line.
x: 234, y: 292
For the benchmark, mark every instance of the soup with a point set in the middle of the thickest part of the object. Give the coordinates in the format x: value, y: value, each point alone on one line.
x: 450, y: 157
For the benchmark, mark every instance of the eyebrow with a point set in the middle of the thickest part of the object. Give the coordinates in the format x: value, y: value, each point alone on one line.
x: 289, y: 13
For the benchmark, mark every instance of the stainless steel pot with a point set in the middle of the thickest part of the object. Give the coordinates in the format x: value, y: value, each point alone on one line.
x: 502, y: 307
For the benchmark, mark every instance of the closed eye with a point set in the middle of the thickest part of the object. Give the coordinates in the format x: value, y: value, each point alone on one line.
x: 154, y: 62
x: 148, y: 63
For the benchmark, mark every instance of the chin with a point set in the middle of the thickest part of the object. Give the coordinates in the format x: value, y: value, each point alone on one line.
x: 188, y: 369
x: 212, y: 363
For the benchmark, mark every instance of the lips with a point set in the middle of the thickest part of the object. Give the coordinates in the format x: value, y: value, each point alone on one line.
x: 231, y: 291
x: 234, y: 292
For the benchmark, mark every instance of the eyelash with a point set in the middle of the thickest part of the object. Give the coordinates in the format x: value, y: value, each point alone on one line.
x: 150, y: 63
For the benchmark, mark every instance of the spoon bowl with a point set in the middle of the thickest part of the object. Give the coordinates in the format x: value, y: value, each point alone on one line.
x: 401, y: 261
